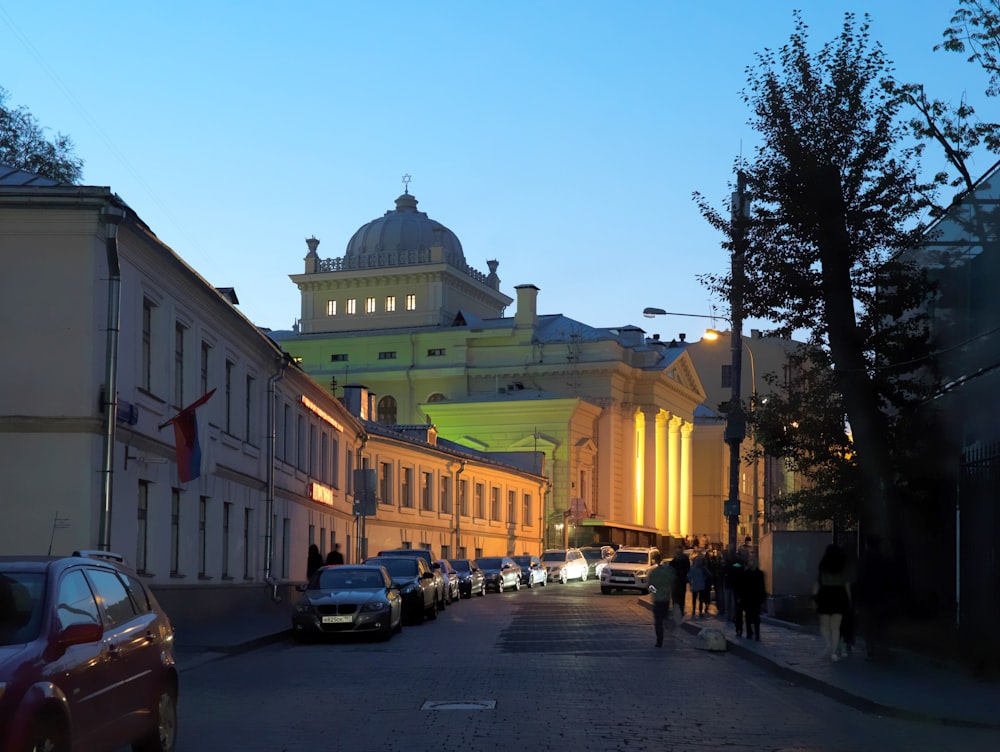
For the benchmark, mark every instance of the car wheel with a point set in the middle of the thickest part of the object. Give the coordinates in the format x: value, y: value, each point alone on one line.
x: 517, y: 584
x: 163, y: 736
x: 482, y: 590
x: 562, y: 578
x: 545, y: 581
x: 49, y: 734
x: 500, y: 585
x: 605, y: 590
x: 583, y: 577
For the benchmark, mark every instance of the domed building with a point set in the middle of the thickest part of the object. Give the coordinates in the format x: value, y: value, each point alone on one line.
x: 402, y: 314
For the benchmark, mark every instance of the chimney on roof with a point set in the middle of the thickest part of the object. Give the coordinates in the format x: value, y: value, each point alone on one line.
x: 527, y: 306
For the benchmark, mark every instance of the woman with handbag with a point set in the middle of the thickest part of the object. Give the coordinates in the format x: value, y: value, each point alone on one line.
x: 833, y: 598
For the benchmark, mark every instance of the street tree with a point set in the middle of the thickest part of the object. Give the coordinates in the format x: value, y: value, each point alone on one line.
x: 23, y: 145
x: 835, y: 196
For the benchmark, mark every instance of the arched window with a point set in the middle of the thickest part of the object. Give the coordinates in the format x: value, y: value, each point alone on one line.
x: 387, y: 410
x: 437, y: 397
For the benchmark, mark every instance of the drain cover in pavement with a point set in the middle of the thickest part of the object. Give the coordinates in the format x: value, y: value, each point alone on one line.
x: 459, y: 705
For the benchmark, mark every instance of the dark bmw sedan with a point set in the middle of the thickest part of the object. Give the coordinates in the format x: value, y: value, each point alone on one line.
x: 500, y: 572
x: 343, y: 599
x: 416, y: 584
x: 470, y: 579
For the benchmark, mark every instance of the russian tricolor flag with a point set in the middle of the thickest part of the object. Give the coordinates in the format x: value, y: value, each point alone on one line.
x: 187, y: 442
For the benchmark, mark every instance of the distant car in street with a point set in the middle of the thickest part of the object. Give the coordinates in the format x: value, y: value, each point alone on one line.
x: 597, y: 558
x: 532, y: 571
x: 562, y: 564
x: 440, y: 586
x: 500, y: 573
x: 470, y: 579
x: 629, y: 569
x: 86, y: 657
x: 344, y: 598
x: 451, y: 579
x: 415, y: 581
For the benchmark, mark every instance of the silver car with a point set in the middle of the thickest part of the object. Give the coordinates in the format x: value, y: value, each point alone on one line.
x: 562, y: 564
x: 629, y: 569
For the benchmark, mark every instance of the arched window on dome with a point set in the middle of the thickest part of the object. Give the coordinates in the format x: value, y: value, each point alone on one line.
x: 437, y: 397
x: 387, y: 410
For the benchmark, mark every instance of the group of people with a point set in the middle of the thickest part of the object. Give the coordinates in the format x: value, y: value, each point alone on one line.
x: 314, y: 558
x: 738, y: 582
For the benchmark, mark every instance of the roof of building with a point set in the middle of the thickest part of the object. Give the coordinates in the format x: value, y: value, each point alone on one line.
x: 14, y: 177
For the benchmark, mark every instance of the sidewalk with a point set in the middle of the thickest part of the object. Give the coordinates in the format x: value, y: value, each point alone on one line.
x: 909, y: 686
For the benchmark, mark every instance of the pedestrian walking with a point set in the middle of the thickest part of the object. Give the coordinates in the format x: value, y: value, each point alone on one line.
x: 335, y: 557
x: 732, y: 575
x: 661, y: 583
x: 681, y: 565
x: 715, y: 572
x: 314, y: 560
x: 751, y: 598
x: 833, y: 598
x: 699, y: 578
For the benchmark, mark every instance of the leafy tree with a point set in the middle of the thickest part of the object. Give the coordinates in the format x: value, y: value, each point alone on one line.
x: 23, y: 145
x: 835, y: 197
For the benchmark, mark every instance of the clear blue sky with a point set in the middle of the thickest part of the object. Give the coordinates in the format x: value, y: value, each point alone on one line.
x: 562, y: 138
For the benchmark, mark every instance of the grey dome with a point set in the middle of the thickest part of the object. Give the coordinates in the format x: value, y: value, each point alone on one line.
x: 404, y: 230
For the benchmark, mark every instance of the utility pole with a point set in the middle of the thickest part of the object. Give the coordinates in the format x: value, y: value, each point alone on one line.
x: 736, y: 424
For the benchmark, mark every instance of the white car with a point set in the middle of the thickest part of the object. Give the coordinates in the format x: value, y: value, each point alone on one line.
x: 628, y: 569
x: 562, y: 564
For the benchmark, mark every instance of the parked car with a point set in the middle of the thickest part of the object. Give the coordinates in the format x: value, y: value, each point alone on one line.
x: 416, y: 585
x: 470, y: 579
x: 500, y: 573
x: 629, y: 569
x: 86, y: 656
x: 353, y: 598
x: 597, y: 558
x: 450, y: 578
x: 562, y: 564
x: 440, y: 586
x: 532, y: 571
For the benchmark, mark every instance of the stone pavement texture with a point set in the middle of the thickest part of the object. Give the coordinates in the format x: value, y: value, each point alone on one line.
x: 909, y: 686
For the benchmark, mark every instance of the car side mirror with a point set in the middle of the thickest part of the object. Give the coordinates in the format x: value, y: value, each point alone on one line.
x: 79, y: 634
x: 427, y: 576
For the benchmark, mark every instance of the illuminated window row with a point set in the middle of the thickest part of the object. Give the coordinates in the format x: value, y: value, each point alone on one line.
x: 371, y: 305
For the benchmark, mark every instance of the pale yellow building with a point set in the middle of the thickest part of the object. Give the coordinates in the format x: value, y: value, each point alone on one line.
x: 404, y: 315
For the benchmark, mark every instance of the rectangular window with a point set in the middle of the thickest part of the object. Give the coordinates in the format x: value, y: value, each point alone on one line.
x: 300, y: 438
x: 390, y: 303
x: 230, y: 367
x: 387, y: 355
x: 313, y: 451
x: 286, y: 453
x: 512, y: 507
x: 435, y: 352
x: 227, y: 513
x: 175, y: 532
x: 179, y: 330
x: 324, y: 454
x: 247, y: 540
x: 286, y: 546
x: 411, y: 302
x: 312, y: 534
x: 426, y: 500
x: 206, y: 356
x: 338, y: 357
x: 526, y: 509
x: 250, y: 416
x: 202, y: 529
x: 369, y: 305
x: 480, y: 501
x: 445, y: 551
x: 146, y: 366
x: 142, y: 534
x: 495, y: 503
x: 385, y: 483
x: 407, y: 487
x: 331, y: 308
x: 352, y: 306
x: 463, y: 498
x: 445, y: 496
x: 335, y: 463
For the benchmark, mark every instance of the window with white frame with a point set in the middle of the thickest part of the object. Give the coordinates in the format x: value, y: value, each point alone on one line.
x: 352, y: 306
x: 331, y: 308
x: 369, y: 305
x: 411, y: 302
x: 390, y: 303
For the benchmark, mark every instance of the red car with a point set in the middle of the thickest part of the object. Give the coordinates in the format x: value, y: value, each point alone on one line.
x: 86, y: 657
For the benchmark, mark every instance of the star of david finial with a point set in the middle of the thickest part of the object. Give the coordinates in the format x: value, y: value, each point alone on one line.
x: 406, y: 183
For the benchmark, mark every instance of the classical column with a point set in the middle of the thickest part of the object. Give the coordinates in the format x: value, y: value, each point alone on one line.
x: 649, y: 466
x: 673, y: 470
x: 686, y: 469
x: 662, y: 502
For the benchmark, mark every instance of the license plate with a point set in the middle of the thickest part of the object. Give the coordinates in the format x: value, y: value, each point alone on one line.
x: 621, y: 579
x: 338, y: 619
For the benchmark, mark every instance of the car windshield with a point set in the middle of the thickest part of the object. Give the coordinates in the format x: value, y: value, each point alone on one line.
x: 398, y: 566
x: 523, y: 561
x: 461, y: 565
x: 491, y: 562
x: 631, y: 557
x: 593, y: 554
x: 349, y: 578
x: 20, y: 606
x: 554, y: 556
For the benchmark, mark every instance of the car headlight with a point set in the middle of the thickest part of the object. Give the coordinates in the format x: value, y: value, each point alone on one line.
x: 410, y: 589
x: 375, y: 606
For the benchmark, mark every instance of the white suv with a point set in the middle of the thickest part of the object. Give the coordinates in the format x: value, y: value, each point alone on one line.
x: 563, y: 564
x: 628, y: 569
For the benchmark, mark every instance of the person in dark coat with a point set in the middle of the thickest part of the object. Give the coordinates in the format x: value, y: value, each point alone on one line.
x: 314, y: 561
x: 750, y: 598
x: 334, y: 557
x: 681, y: 565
